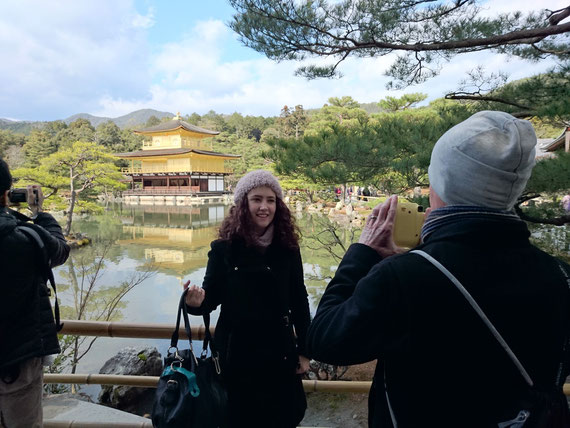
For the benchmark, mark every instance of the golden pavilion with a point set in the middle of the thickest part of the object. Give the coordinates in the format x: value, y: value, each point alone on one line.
x: 177, y: 160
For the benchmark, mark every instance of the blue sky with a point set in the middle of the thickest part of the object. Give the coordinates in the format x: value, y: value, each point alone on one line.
x: 111, y: 57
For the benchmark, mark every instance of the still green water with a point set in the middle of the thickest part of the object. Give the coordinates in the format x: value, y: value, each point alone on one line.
x: 173, y: 243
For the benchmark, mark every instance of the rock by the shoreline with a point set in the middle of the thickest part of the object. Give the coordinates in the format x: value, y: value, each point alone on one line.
x: 76, y: 240
x: 141, y: 361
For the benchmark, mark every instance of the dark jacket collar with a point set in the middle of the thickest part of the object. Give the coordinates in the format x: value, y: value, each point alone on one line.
x: 483, y: 231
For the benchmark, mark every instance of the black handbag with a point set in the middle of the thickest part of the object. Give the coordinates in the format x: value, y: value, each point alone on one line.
x: 190, y: 391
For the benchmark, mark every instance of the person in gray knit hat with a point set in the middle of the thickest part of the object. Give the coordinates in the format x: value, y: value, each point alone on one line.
x: 257, y: 178
x: 400, y: 309
x: 485, y: 160
x: 255, y: 273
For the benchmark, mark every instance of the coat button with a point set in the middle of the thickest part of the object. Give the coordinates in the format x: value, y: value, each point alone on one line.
x: 236, y: 268
x: 268, y: 268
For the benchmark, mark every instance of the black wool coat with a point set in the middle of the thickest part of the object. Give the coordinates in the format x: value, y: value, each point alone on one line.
x: 27, y: 327
x: 255, y: 289
x: 438, y: 364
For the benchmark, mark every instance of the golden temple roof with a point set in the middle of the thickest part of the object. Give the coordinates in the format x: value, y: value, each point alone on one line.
x: 166, y: 152
x: 173, y: 125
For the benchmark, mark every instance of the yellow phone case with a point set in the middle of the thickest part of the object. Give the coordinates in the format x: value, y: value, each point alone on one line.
x: 408, y: 224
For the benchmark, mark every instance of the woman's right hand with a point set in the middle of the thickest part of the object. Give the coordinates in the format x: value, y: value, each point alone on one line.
x: 194, y: 296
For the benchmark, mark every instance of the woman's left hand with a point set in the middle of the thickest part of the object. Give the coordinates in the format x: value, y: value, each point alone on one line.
x: 303, y: 366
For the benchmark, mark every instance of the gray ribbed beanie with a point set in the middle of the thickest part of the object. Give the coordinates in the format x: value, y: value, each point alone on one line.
x: 485, y: 160
x: 257, y: 178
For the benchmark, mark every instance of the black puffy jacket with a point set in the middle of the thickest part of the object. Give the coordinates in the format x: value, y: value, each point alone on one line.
x: 27, y: 327
x: 436, y: 359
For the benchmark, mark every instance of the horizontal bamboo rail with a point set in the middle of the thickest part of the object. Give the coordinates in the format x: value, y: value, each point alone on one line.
x: 80, y: 424
x: 152, y: 381
x: 164, y: 331
x: 120, y: 329
x: 102, y: 379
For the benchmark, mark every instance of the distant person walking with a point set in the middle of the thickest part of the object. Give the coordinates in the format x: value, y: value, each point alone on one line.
x: 255, y: 273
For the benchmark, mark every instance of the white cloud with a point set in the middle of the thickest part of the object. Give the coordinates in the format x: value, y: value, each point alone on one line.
x: 60, y: 56
x: 144, y: 21
x: 70, y: 57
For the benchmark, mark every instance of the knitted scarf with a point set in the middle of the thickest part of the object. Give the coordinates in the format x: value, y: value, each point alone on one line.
x: 266, y: 239
x: 455, y: 213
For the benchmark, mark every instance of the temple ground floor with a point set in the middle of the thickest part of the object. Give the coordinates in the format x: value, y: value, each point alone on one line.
x: 176, y: 189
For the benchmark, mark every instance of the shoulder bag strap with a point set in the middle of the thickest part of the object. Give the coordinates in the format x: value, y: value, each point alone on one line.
x: 46, y: 266
x: 479, y: 312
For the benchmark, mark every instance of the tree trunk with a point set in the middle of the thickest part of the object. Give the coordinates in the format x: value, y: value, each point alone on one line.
x: 71, y: 204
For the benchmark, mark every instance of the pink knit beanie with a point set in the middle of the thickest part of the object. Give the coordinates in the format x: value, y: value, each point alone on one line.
x: 257, y: 178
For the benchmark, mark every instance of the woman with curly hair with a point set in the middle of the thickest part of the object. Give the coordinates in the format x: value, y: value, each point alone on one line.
x: 255, y: 273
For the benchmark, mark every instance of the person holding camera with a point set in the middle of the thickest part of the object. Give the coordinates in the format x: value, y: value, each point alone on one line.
x: 439, y: 362
x: 28, y: 332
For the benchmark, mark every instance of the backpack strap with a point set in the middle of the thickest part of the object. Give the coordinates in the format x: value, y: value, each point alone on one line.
x: 29, y: 231
x: 479, y: 312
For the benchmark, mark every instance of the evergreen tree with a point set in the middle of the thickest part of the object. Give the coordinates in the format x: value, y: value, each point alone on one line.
x: 424, y: 33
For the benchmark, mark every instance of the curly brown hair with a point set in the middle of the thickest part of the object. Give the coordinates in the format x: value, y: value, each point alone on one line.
x: 238, y: 225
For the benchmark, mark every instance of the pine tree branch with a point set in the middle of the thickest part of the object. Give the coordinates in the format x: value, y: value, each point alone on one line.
x: 475, y: 97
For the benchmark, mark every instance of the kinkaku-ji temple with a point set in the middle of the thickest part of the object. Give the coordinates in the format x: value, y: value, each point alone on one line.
x: 176, y: 164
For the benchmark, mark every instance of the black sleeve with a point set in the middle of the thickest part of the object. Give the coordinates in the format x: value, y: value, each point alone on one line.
x: 300, y: 313
x: 52, y: 236
x: 350, y: 323
x: 214, y: 280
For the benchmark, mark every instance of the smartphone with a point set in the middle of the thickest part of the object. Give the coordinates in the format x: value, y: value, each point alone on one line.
x: 408, y: 224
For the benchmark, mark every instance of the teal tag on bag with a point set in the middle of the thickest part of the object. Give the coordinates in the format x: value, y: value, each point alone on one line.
x: 192, y: 382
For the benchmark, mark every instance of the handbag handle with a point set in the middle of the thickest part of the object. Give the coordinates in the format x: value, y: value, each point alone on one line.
x: 182, y: 310
x: 208, y: 339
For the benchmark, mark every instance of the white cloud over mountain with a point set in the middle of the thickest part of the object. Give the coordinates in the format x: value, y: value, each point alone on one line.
x: 99, y: 57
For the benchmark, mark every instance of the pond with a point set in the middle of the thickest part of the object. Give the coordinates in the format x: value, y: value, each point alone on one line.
x: 172, y: 242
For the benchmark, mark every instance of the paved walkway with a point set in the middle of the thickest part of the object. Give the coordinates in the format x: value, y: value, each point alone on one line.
x: 78, y: 413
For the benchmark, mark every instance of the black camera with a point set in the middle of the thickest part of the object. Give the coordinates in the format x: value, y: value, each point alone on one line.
x: 20, y: 195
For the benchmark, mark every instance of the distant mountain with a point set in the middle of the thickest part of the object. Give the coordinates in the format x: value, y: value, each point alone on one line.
x: 132, y: 120
x: 136, y: 119
x: 19, y: 126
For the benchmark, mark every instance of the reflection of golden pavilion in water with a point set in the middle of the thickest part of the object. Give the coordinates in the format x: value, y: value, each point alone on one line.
x: 175, y: 238
x: 178, y: 160
x: 172, y: 250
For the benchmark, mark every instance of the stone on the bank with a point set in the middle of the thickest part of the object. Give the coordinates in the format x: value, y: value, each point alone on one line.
x: 339, y: 205
x: 299, y: 206
x: 349, y: 210
x: 331, y: 212
x: 140, y: 361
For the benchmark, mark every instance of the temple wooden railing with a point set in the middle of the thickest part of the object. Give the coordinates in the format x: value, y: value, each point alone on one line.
x: 164, y: 331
